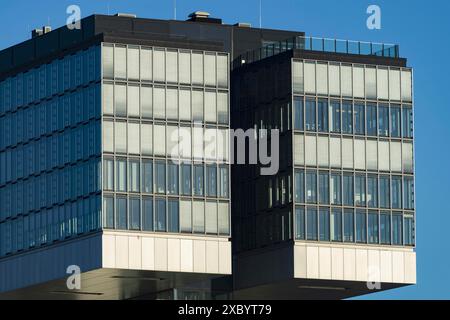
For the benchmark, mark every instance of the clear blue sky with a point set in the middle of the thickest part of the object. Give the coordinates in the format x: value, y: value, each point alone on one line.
x: 420, y: 27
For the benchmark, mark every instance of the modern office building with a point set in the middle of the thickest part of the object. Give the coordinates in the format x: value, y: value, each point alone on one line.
x: 115, y: 158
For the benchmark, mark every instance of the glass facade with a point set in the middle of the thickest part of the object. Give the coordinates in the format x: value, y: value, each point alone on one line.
x: 353, y: 153
x: 50, y: 151
x: 165, y: 140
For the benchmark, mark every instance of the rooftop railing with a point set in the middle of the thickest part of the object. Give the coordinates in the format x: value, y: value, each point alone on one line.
x: 320, y: 45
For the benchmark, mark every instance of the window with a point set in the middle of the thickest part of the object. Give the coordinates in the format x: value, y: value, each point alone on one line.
x: 406, y: 83
x: 324, y: 224
x: 348, y: 190
x: 108, y: 136
x: 409, y: 231
x: 298, y: 113
x: 159, y: 64
x: 159, y: 136
x: 396, y: 192
x: 371, y: 120
x: 310, y: 77
x: 311, y: 150
x: 199, y: 217
x: 383, y: 121
x: 108, y: 203
x: 134, y: 174
x: 147, y: 214
x: 121, y: 214
x: 335, y: 189
x: 172, y: 66
x: 186, y: 179
x: 310, y: 115
x: 210, y: 69
x: 133, y: 138
x: 108, y: 98
x: 120, y: 62
x: 373, y: 227
x: 408, y: 193
x: 322, y: 111
x: 146, y: 102
x: 160, y: 177
x: 335, y: 116
x: 108, y: 61
x: 324, y: 188
x: 172, y: 178
x: 222, y: 108
x: 185, y: 216
x: 120, y: 130
x: 185, y: 104
x: 197, y: 68
x: 336, y: 225
x: 159, y: 103
x: 311, y: 221
x: 385, y: 228
x: 211, y: 217
x: 172, y: 104
x: 347, y: 117
x: 120, y: 100
x: 395, y: 121
x: 359, y: 116
x: 147, y: 176
x: 224, y: 218
x: 371, y: 83
x: 146, y: 64
x: 197, y: 106
x: 210, y: 107
x: 160, y: 215
x: 348, y: 225
x: 223, y: 181
x: 383, y: 83
x: 311, y: 187
x: 407, y: 122
x: 322, y: 78
x: 185, y: 67
x: 297, y: 75
x: 133, y: 101
x: 346, y: 80
x: 198, y: 180
x: 173, y: 216
x: 384, y: 192
x: 211, y: 178
x: 372, y: 191
x: 360, y: 190
x: 135, y: 214
x: 397, y: 226
x: 334, y: 79
x: 147, y: 139
x: 222, y: 70
x: 394, y: 84
x: 361, y: 226
x: 121, y: 175
x: 300, y: 223
x: 299, y: 186
x: 108, y: 175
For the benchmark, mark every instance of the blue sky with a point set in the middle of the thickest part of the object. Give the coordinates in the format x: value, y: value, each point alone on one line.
x: 420, y: 27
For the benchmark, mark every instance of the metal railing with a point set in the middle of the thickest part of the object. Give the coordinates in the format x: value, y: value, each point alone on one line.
x: 319, y: 45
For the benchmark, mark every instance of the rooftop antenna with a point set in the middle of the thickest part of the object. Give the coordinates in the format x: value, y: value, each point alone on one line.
x: 260, y: 14
x: 175, y: 9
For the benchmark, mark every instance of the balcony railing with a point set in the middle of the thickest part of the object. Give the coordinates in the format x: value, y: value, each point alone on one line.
x: 320, y: 45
